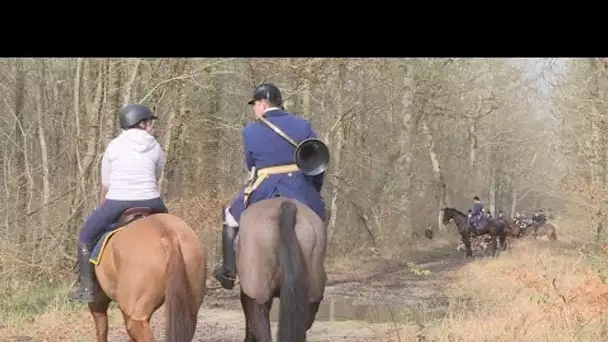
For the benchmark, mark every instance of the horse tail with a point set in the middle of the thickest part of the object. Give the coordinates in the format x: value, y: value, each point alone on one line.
x: 294, y: 309
x: 180, y: 309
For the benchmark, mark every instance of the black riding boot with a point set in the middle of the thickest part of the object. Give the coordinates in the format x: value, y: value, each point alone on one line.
x: 83, y: 291
x: 226, y: 273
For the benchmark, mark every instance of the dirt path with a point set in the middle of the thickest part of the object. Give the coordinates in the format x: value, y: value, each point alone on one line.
x: 361, y: 304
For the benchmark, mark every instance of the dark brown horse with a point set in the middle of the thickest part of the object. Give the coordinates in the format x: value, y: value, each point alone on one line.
x: 495, y: 228
x: 280, y: 254
x: 152, y: 260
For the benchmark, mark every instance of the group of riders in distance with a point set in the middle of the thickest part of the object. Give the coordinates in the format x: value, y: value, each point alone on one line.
x: 479, y: 217
x: 480, y: 224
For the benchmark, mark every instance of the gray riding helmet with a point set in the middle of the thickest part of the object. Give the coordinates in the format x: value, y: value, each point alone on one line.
x: 134, y: 113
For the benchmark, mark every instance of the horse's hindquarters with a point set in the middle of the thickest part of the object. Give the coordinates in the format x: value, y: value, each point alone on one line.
x: 136, y: 259
x: 258, y: 265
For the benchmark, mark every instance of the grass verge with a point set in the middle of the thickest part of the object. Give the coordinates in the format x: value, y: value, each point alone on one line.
x: 532, y: 293
x: 44, y: 313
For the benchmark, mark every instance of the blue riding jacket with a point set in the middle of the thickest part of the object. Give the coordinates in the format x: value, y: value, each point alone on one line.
x: 478, y: 218
x: 264, y: 148
x: 477, y: 208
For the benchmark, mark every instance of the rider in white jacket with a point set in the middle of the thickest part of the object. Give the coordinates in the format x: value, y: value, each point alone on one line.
x: 130, y: 169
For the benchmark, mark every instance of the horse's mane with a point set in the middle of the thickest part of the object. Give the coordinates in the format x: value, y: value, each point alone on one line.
x: 454, y: 209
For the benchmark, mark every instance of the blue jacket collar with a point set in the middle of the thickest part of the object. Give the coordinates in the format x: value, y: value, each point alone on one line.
x: 275, y: 112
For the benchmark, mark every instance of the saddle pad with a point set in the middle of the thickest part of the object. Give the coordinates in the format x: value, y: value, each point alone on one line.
x: 100, y: 246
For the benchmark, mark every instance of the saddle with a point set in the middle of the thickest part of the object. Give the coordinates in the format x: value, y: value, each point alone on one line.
x: 133, y: 214
x: 478, y: 222
x: 125, y: 218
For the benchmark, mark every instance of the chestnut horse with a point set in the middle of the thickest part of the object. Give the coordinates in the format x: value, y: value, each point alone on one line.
x: 495, y: 228
x: 152, y: 260
x: 513, y: 229
x: 280, y: 253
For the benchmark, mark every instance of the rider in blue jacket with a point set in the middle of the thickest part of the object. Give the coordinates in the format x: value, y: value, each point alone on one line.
x: 273, y: 158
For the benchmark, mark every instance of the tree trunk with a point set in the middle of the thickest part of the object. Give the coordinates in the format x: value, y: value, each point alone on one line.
x: 173, y: 130
x: 598, y: 140
x: 409, y: 129
x: 58, y: 107
x: 513, y: 201
x: 128, y: 92
x: 94, y: 114
x: 8, y: 216
x: 90, y: 139
x: 437, y: 174
x: 306, y: 108
x: 211, y: 147
x: 472, y: 138
x: 492, y: 187
x: 77, y: 105
x: 338, y: 145
x: 42, y: 140
x: 21, y: 152
x: 114, y: 104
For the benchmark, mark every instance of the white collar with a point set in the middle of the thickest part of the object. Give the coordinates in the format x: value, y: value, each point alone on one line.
x: 271, y: 108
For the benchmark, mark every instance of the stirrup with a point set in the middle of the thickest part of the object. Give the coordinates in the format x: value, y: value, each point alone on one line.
x: 227, y: 282
x: 81, y: 294
x: 218, y: 271
x: 226, y: 277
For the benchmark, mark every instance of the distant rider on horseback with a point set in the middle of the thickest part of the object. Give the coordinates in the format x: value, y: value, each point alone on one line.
x: 520, y: 219
x: 539, y: 218
x: 476, y: 214
x: 272, y: 157
x: 130, y: 168
x: 501, y: 215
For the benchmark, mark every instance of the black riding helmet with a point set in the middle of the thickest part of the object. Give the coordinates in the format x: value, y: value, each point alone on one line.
x: 134, y: 113
x: 269, y: 92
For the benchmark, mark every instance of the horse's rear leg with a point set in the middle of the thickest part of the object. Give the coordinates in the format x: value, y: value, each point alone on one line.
x: 138, y: 328
x: 99, y: 311
x: 137, y: 311
x: 257, y: 321
x: 503, y: 241
x: 494, y: 245
x: 314, y: 307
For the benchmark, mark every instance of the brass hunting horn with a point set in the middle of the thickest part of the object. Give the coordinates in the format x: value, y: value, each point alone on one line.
x: 311, y: 155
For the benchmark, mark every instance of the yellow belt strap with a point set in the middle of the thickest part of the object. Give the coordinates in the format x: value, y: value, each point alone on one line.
x: 265, y: 173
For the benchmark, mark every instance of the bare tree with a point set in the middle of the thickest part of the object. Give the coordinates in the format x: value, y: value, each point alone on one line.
x: 41, y: 109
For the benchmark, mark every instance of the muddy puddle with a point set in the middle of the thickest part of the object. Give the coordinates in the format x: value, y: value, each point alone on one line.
x: 346, y: 309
